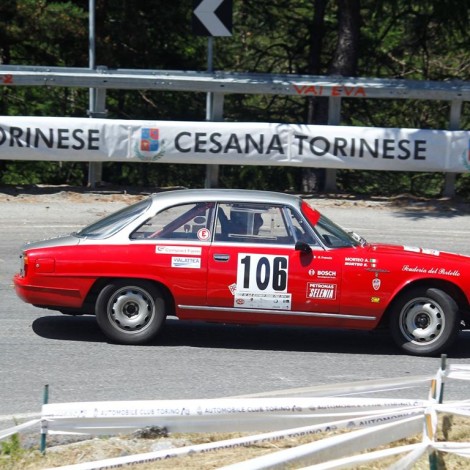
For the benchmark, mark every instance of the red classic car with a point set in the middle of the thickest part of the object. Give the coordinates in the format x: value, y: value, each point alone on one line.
x: 247, y: 257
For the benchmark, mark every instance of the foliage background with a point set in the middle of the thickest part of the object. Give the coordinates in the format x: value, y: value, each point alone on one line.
x: 422, y: 40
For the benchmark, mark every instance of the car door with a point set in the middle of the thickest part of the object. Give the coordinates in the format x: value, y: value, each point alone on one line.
x: 255, y: 273
x: 172, y: 248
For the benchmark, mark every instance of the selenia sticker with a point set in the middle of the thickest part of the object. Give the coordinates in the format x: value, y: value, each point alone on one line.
x: 262, y: 282
x: 323, y: 291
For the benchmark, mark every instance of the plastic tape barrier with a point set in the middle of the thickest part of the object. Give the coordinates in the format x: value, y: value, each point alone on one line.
x: 247, y: 441
x: 213, y: 415
x: 8, y: 432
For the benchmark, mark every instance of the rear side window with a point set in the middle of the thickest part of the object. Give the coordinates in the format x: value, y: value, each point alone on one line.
x: 110, y: 225
x: 182, y: 222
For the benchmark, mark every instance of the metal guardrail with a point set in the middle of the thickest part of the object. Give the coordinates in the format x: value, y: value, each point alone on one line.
x: 219, y: 83
x: 232, y: 82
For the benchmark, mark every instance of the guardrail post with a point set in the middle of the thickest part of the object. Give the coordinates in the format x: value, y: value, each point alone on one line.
x: 97, y: 110
x: 334, y: 118
x: 42, y: 446
x: 435, y: 460
x: 214, y: 113
x: 455, y: 113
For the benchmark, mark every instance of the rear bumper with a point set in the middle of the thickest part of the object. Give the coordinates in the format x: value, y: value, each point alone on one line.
x: 47, y: 295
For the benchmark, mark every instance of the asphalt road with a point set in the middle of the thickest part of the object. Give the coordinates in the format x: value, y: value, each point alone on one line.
x: 196, y: 360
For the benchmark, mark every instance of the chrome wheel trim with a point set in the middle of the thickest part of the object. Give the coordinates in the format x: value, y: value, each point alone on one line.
x: 131, y: 309
x: 422, y: 321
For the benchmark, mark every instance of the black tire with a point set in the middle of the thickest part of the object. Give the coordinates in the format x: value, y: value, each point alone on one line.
x: 425, y: 321
x: 130, y: 311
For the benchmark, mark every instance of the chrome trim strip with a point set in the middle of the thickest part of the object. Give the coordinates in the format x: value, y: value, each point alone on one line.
x: 277, y: 312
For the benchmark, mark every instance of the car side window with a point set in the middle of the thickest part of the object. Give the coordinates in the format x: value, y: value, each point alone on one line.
x: 252, y: 223
x: 182, y: 222
x: 301, y: 229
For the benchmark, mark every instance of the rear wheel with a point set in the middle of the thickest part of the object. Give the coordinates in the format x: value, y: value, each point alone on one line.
x: 425, y: 321
x: 130, y: 311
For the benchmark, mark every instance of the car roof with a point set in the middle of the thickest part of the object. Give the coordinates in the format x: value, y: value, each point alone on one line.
x: 224, y: 195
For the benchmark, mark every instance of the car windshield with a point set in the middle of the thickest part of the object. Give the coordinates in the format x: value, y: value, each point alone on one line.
x: 333, y: 235
x: 111, y: 224
x: 330, y: 234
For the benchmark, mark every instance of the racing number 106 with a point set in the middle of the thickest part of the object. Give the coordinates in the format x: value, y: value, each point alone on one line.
x: 266, y: 273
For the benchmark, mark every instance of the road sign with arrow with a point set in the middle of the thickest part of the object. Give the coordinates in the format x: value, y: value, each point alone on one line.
x: 212, y: 17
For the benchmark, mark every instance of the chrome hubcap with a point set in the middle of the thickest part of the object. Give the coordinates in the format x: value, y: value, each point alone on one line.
x: 131, y: 309
x: 422, y: 321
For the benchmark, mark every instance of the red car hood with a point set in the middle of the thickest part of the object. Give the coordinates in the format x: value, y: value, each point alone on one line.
x: 412, y: 251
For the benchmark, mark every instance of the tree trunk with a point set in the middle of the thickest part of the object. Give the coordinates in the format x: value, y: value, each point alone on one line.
x: 343, y: 63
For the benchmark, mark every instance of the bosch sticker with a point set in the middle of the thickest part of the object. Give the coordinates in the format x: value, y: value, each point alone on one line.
x: 326, y: 273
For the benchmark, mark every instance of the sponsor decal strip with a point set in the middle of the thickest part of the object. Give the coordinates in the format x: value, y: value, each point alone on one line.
x: 178, y: 250
x: 185, y: 262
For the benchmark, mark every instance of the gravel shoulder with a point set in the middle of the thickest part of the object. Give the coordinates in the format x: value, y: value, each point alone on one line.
x: 74, y: 194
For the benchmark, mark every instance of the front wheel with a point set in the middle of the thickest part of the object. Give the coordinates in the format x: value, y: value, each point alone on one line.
x: 425, y: 321
x: 130, y: 311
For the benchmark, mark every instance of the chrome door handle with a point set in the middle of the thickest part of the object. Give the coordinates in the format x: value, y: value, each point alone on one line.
x: 221, y: 257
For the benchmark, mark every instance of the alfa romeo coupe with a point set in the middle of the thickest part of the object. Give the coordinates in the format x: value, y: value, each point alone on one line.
x: 244, y: 257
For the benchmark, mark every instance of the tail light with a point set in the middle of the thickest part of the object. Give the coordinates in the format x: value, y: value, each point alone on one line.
x: 24, y: 264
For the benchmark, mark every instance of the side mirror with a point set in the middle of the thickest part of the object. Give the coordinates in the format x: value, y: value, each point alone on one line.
x: 302, y: 247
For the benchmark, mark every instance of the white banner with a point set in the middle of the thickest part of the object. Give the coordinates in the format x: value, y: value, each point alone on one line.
x: 223, y: 414
x: 224, y: 143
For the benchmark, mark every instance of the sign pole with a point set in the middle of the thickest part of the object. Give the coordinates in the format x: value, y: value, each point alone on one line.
x: 212, y: 171
x: 212, y: 18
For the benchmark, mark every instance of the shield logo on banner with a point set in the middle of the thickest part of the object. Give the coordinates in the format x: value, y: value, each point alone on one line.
x: 465, y: 157
x: 149, y: 140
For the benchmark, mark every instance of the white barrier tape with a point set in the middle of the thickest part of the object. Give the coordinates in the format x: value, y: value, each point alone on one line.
x: 458, y: 371
x: 19, y: 417
x: 414, y: 453
x: 238, y: 423
x: 458, y: 448
x: 361, y: 459
x: 350, y: 388
x: 207, y: 415
x: 454, y: 408
x: 452, y: 367
x: 369, y: 421
x: 10, y: 431
x: 407, y: 462
x: 342, y: 445
x: 459, y: 375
